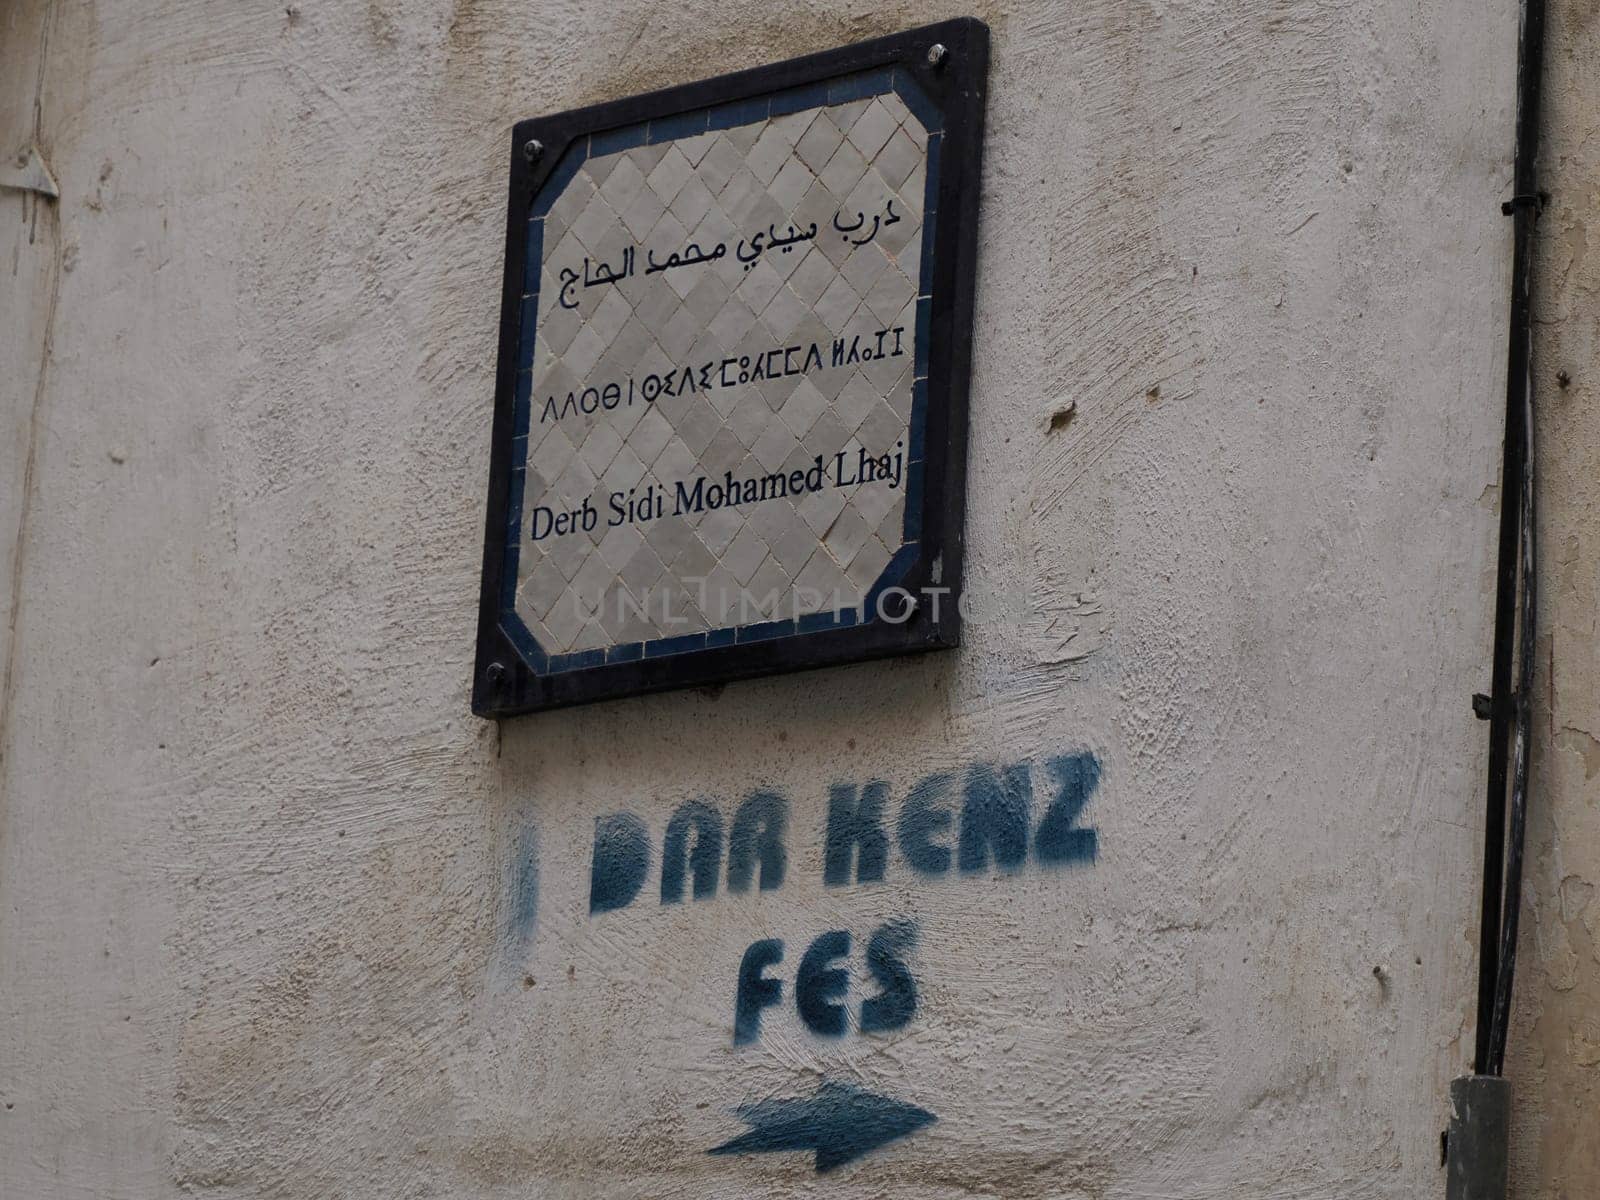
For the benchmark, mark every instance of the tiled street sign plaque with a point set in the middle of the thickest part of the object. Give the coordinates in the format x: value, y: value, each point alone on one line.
x: 730, y: 420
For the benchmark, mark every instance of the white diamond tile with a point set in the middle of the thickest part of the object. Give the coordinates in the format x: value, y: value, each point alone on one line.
x: 620, y: 544
x: 816, y: 146
x: 669, y: 175
x: 838, y: 304
x: 744, y: 554
x: 626, y: 337
x: 844, y: 170
x: 680, y: 334
x: 706, y: 298
x: 867, y: 565
x: 880, y: 429
x: 584, y: 351
x: 694, y: 561
x: 854, y: 402
x: 642, y: 570
x: 872, y: 129
x: 610, y: 316
x: 864, y: 266
x: 792, y: 125
x: 623, y: 474
x: 732, y: 321
x: 650, y: 436
x: 648, y: 156
x: 819, y: 509
x: 802, y: 408
x: 675, y: 462
x: 742, y: 137
x: 874, y: 502
x: 897, y: 109
x: 887, y: 373
x: 692, y: 203
x: 770, y: 151
x: 792, y: 181
x: 571, y: 201
x: 783, y: 312
x: 694, y: 148
x: 845, y: 115
x: 760, y: 284
x: 887, y: 295
x: 911, y: 191
x: 596, y: 170
x: 641, y: 213
x: 564, y: 622
x: 793, y: 547
x: 766, y: 588
x: 812, y: 277
x: 541, y: 587
x: 719, y: 164
x: 899, y: 156
x: 824, y: 583
x: 739, y: 196
x: 719, y: 528
x: 697, y: 425
x: 717, y: 595
x: 556, y: 329
x: 621, y: 186
x: 748, y: 422
x: 892, y: 524
x: 774, y: 445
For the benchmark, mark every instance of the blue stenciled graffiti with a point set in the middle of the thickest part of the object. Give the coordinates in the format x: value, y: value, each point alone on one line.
x: 839, y: 1125
x: 756, y: 991
x: 986, y: 818
x: 621, y: 859
x: 894, y: 1006
x: 821, y: 984
x: 923, y: 819
x: 994, y: 818
x: 524, y: 908
x: 1059, y: 839
x: 703, y: 862
x: 520, y: 919
x: 989, y: 818
x: 855, y: 824
x: 757, y: 839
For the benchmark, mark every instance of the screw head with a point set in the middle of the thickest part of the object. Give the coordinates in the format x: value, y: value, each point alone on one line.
x: 902, y: 609
x: 937, y: 54
x: 495, y: 674
x: 533, y: 150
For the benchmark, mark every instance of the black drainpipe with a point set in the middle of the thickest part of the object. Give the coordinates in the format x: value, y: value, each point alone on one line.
x: 1477, y: 1141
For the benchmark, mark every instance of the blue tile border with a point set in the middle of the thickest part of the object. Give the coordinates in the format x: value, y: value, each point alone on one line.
x: 813, y: 95
x: 740, y: 112
x: 918, y: 101
x: 550, y: 191
x: 614, y: 141
x: 625, y: 652
x: 683, y: 125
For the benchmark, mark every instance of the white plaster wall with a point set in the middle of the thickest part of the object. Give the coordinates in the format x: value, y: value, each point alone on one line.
x: 268, y: 925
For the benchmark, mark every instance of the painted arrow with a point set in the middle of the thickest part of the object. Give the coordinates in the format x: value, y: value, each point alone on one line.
x: 840, y: 1123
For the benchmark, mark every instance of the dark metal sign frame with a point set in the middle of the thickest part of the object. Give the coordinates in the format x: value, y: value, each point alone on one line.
x: 947, y: 65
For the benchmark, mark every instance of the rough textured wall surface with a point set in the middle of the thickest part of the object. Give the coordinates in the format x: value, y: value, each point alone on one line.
x: 279, y: 918
x: 1554, y: 1053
